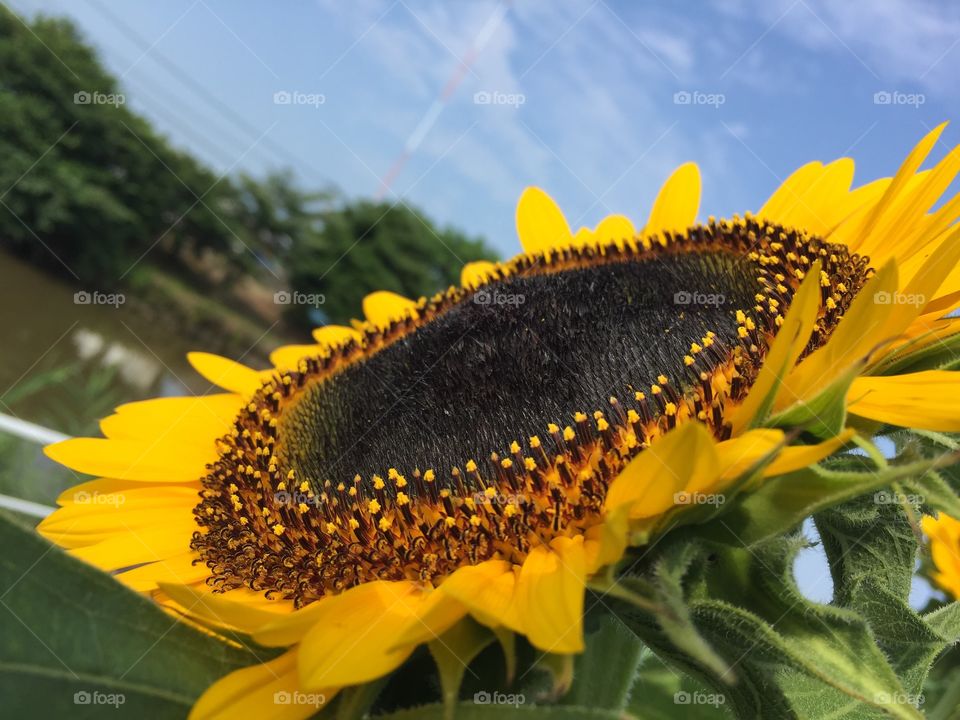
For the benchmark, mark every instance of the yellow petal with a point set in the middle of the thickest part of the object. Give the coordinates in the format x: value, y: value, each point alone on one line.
x: 158, y: 460
x: 541, y: 225
x: 812, y: 198
x: 935, y: 224
x: 383, y: 307
x: 476, y: 273
x: 290, y: 629
x: 677, y: 203
x: 928, y: 399
x: 176, y: 569
x: 582, y: 238
x: 131, y: 492
x: 849, y: 210
x: 822, y: 206
x: 437, y: 613
x: 897, y: 305
x: 288, y: 357
x: 80, y: 524
x: 924, y: 275
x: 605, y: 543
x: 739, y: 454
x: 333, y: 335
x: 354, y: 640
x: 944, y: 534
x: 790, y: 190
x: 683, y: 459
x: 783, y: 354
x: 268, y: 690
x: 487, y: 590
x: 906, y: 219
x: 226, y: 373
x: 219, y: 608
x: 859, y: 332
x: 900, y: 181
x: 942, y: 528
x: 106, y: 496
x: 549, y: 595
x: 613, y: 229
x: 796, y: 457
x: 199, y: 419
x: 147, y: 544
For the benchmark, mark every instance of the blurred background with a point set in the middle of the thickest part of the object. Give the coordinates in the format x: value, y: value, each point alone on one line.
x: 224, y: 176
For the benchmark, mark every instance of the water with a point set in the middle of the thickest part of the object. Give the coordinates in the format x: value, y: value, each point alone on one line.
x: 65, y: 364
x: 59, y: 355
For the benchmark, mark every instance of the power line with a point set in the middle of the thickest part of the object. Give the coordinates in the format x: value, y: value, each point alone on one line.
x: 157, y: 106
x: 197, y: 89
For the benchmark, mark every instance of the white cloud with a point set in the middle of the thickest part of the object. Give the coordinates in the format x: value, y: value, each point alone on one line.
x: 913, y: 41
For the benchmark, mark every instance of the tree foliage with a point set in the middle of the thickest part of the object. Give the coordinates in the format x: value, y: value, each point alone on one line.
x: 91, y: 190
x: 390, y: 246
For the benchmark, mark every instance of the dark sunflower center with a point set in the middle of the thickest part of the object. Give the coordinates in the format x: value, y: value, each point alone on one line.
x: 511, y: 358
x: 494, y: 420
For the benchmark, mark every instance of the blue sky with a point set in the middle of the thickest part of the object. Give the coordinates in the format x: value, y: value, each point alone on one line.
x: 583, y: 93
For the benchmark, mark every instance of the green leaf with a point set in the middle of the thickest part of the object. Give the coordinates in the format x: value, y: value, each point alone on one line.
x: 675, y: 618
x: 935, y: 492
x: 782, y: 503
x: 824, y: 415
x: 867, y: 538
x: 355, y: 702
x: 944, y: 354
x: 914, y: 444
x: 871, y: 545
x: 793, y: 658
x: 605, y: 672
x: 68, y: 628
x: 497, y: 711
x: 661, y: 693
x: 946, y: 621
x: 560, y: 670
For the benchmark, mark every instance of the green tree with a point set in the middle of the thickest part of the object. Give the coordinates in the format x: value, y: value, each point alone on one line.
x: 271, y: 215
x: 363, y: 246
x: 87, y: 186
x: 89, y: 189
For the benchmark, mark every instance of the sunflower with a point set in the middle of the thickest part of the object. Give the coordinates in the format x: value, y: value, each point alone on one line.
x: 944, y: 539
x: 487, y: 451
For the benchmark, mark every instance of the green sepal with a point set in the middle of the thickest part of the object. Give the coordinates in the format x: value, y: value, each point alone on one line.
x: 452, y: 652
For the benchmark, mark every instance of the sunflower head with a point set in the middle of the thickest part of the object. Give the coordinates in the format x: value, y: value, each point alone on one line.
x: 487, y: 450
x: 493, y: 417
